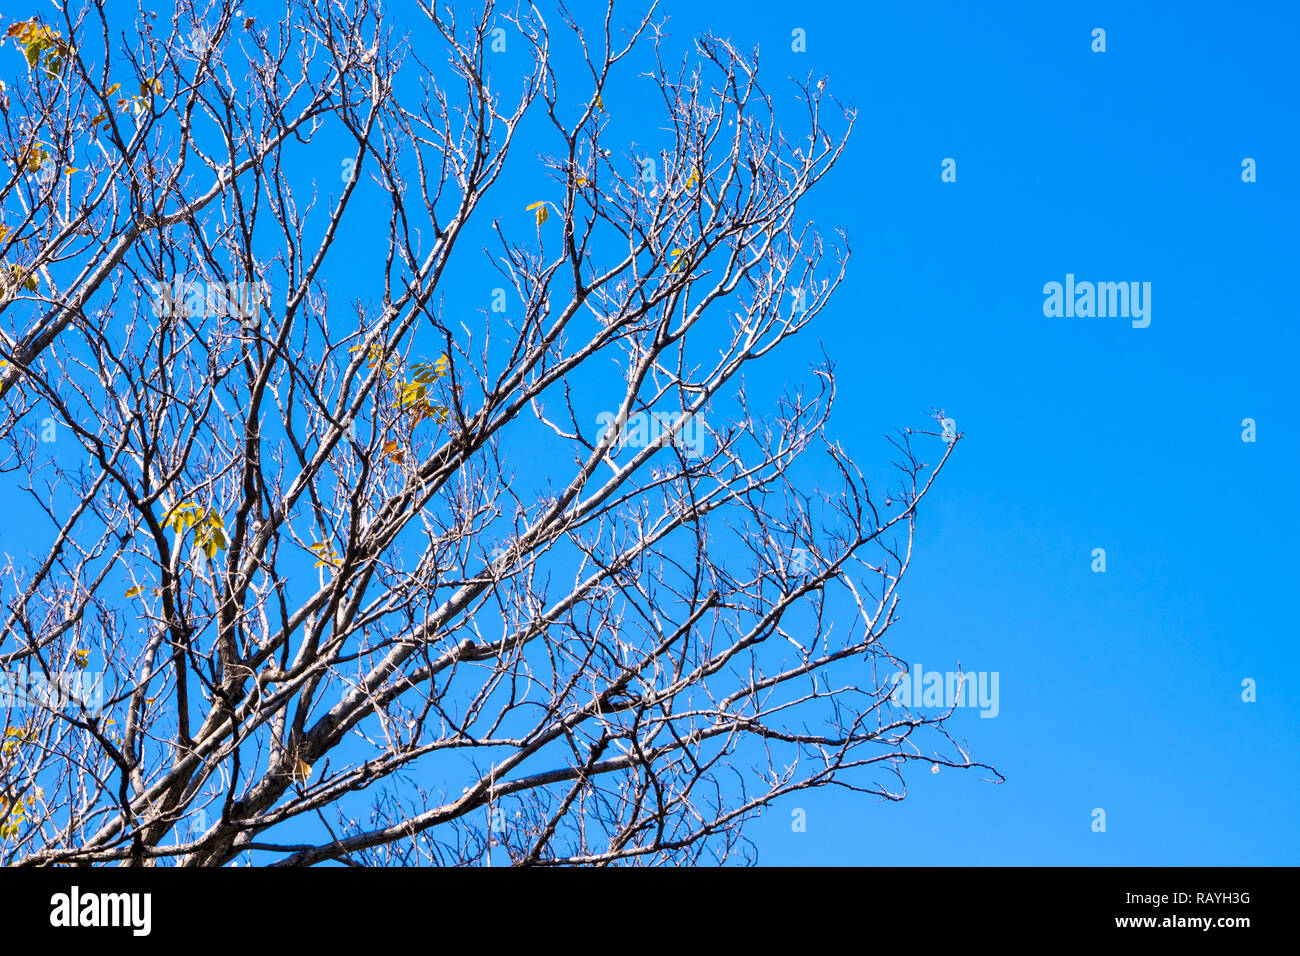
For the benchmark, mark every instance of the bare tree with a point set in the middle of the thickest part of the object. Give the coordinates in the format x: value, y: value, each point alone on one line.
x: 300, y: 544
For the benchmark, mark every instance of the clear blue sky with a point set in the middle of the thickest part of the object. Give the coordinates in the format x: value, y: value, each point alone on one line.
x: 1119, y: 690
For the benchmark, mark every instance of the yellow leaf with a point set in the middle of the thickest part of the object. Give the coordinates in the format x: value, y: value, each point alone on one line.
x: 182, y: 516
x: 427, y: 372
x: 112, y: 89
x: 326, y: 554
x: 410, y: 393
x: 135, y: 592
x: 210, y: 537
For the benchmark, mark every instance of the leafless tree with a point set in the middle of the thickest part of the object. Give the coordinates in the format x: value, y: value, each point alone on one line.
x: 377, y: 573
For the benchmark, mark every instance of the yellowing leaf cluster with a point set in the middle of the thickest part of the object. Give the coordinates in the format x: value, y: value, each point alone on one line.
x: 13, y: 811
x: 15, y: 736
x: 326, y: 556
x: 209, y: 528
x: 375, y: 358
x: 41, y: 45
x: 11, y: 276
x: 413, y: 394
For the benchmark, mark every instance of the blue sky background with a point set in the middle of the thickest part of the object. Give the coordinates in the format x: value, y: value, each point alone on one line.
x: 1119, y: 690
